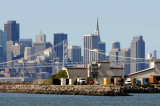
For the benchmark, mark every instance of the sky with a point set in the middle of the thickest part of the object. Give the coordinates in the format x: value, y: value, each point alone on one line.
x: 119, y: 20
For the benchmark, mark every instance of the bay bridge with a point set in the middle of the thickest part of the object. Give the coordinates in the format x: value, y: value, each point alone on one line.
x: 21, y: 63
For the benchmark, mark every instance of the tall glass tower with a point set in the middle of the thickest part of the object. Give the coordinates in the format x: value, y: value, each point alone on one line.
x: 3, y: 46
x: 58, y: 44
x: 12, y: 31
x: 138, y: 53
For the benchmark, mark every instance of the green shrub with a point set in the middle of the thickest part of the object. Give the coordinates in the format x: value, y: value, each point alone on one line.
x: 59, y: 75
x: 48, y: 82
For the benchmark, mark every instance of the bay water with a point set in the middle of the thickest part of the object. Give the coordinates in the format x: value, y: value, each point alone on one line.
x: 20, y: 99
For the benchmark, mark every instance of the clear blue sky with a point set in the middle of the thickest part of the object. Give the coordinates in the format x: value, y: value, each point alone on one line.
x: 119, y: 20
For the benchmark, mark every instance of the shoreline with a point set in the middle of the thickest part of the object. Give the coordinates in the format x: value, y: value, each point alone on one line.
x: 89, y: 90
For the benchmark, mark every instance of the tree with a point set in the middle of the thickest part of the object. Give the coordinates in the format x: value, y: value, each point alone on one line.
x: 61, y: 74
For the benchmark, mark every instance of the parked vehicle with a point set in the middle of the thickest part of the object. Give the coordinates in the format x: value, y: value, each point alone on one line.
x: 81, y: 81
x: 128, y: 82
x: 91, y: 82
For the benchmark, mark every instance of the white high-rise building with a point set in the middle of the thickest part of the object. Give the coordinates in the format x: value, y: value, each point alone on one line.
x: 94, y: 55
x: 90, y: 42
x: 29, y: 53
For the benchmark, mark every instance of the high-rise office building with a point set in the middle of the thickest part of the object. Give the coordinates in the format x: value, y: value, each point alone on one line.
x: 74, y: 53
x: 138, y: 52
x: 41, y: 37
x: 12, y: 31
x: 18, y: 50
x: 114, y: 54
x: 29, y: 53
x: 26, y: 42
x: 113, y: 57
x: 149, y: 57
x: 10, y: 56
x: 60, y: 43
x: 116, y: 45
x: 90, y: 42
x: 94, y: 55
x: 1, y: 54
x: 50, y: 52
x: 40, y: 47
x: 124, y: 56
x: 3, y: 46
x: 102, y: 51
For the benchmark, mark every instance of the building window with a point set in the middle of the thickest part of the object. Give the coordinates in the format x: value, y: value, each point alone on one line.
x: 158, y: 78
x: 146, y: 80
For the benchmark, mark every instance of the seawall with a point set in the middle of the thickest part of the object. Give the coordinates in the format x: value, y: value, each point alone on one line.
x: 93, y: 90
x: 66, y: 90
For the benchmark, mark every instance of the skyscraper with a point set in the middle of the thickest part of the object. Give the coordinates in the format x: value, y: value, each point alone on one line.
x: 116, y: 45
x: 114, y: 54
x: 124, y: 55
x: 113, y: 57
x: 28, y: 53
x: 10, y: 56
x: 41, y: 46
x: 90, y: 42
x: 102, y: 51
x: 94, y: 55
x: 74, y: 53
x: 1, y: 54
x: 18, y: 50
x: 137, y: 51
x: 12, y: 31
x: 59, y: 41
x: 41, y: 37
x: 3, y: 46
x: 26, y: 42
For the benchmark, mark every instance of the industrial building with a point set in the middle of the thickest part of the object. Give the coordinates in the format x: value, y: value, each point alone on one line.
x: 97, y: 70
x: 147, y: 76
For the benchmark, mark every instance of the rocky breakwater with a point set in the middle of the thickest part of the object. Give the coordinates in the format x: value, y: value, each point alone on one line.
x: 139, y: 89
x: 66, y: 90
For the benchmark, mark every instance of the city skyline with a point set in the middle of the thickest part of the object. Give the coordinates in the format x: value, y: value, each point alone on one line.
x: 128, y: 22
x: 79, y: 52
x: 42, y: 38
